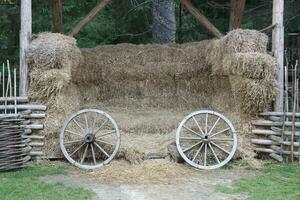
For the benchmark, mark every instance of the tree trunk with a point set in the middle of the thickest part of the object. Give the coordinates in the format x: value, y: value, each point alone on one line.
x: 57, y: 15
x: 236, y: 13
x: 164, y: 23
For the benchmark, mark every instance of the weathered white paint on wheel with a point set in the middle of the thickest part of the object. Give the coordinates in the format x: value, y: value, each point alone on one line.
x: 87, y: 139
x: 206, y: 140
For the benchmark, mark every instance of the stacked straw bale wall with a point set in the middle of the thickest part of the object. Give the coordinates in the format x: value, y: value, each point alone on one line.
x: 233, y: 75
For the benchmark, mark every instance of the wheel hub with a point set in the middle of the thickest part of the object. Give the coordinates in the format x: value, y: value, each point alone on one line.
x: 206, y: 139
x: 89, y: 138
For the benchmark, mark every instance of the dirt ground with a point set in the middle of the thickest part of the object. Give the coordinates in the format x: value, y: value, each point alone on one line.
x: 153, y: 180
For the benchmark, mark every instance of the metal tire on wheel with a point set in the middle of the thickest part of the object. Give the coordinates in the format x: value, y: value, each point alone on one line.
x: 90, y: 138
x: 206, y: 139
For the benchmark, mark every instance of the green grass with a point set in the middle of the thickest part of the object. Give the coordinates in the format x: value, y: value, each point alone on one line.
x: 276, y: 182
x: 24, y: 185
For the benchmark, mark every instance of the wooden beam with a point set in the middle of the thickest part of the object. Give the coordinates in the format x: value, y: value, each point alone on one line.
x: 201, y: 18
x: 236, y: 13
x: 278, y: 49
x: 57, y: 16
x: 89, y: 17
x: 25, y: 36
x: 268, y: 28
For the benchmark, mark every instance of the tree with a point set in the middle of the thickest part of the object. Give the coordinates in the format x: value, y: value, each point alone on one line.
x: 164, y: 22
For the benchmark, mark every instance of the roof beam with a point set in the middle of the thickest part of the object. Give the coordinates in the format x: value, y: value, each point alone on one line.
x: 88, y: 18
x: 201, y: 18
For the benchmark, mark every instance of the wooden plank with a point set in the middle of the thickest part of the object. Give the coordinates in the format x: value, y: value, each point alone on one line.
x: 25, y: 37
x: 201, y: 18
x: 264, y: 150
x: 36, y: 153
x: 30, y: 116
x: 275, y: 119
x: 271, y: 123
x: 268, y: 28
x: 89, y: 17
x: 236, y: 13
x: 280, y: 114
x: 263, y: 141
x: 35, y: 137
x: 35, y: 126
x: 278, y: 50
x: 276, y: 157
x: 25, y: 107
x: 36, y: 144
x: 265, y: 132
x: 12, y: 99
x: 278, y: 150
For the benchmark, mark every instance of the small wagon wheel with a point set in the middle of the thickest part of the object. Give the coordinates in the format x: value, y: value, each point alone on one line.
x: 206, y: 139
x: 90, y: 138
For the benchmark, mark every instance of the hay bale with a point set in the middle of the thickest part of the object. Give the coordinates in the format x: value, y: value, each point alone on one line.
x: 53, y: 51
x: 236, y: 41
x: 253, y: 96
x: 244, y: 41
x: 47, y: 84
x: 249, y: 65
x: 141, y: 62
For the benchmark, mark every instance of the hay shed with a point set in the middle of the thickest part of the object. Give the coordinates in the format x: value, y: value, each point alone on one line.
x: 148, y: 89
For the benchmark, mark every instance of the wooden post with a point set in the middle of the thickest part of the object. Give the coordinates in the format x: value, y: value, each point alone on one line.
x: 236, y: 13
x: 25, y: 35
x: 201, y: 18
x: 278, y: 49
x: 89, y: 17
x: 57, y: 16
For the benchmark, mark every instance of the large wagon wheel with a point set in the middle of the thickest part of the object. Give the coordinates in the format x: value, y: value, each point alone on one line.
x: 90, y: 138
x: 206, y: 139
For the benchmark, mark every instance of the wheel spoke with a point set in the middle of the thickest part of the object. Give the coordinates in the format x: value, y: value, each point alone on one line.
x: 101, y: 149
x: 72, y: 142
x: 77, y: 149
x: 198, y: 152
x: 222, y: 131
x: 107, y: 133
x: 212, y: 150
x: 222, y: 139
x: 205, y: 152
x: 219, y: 147
x: 101, y: 126
x: 94, y: 120
x: 86, y: 122
x: 206, y: 121
x: 84, y: 154
x: 105, y: 142
x: 74, y: 120
x: 191, y: 138
x: 187, y: 128
x: 198, y: 125
x: 74, y: 133
x: 93, y: 154
x: 189, y: 148
x: 214, y: 126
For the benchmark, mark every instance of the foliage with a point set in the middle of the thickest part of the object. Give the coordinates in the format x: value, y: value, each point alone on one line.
x: 24, y: 185
x: 277, y: 182
x: 130, y: 21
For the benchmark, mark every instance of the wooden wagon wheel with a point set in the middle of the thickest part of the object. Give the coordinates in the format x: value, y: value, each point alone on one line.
x: 90, y: 138
x: 206, y: 139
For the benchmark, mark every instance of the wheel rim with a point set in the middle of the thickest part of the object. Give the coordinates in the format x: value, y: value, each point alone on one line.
x: 90, y: 138
x: 206, y: 139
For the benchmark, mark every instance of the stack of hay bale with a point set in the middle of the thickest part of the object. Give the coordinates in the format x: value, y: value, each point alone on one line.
x: 242, y: 55
x: 233, y: 75
x: 14, y: 149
